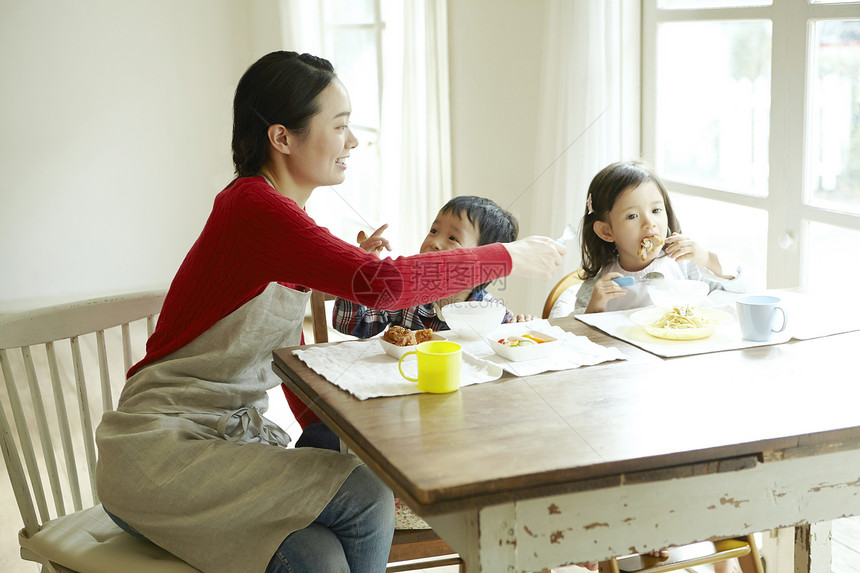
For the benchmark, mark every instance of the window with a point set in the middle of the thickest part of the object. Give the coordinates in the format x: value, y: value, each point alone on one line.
x: 751, y: 114
x: 834, y: 141
x: 392, y: 57
x: 350, y: 36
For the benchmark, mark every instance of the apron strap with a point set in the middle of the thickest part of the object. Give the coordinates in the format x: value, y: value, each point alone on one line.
x: 250, y: 426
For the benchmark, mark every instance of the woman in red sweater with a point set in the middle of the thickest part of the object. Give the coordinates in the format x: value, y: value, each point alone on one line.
x: 187, y: 460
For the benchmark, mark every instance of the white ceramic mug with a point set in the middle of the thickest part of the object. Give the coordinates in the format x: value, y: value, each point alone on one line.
x: 757, y: 315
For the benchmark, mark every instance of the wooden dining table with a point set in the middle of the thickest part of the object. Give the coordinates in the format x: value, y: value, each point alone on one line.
x: 526, y: 473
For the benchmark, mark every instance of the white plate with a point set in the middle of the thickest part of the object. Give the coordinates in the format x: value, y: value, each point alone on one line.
x: 398, y: 351
x: 521, y: 353
x: 646, y: 317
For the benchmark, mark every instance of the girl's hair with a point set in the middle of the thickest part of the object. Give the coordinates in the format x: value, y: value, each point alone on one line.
x: 494, y: 224
x: 604, y: 190
x: 279, y: 88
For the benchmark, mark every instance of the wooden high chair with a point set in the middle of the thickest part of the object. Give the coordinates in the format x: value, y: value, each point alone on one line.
x: 61, y: 367
x: 565, y: 283
x: 421, y: 548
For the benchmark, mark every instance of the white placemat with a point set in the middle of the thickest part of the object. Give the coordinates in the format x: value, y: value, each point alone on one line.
x: 806, y: 319
x: 815, y: 314
x: 364, y: 370
x: 573, y: 352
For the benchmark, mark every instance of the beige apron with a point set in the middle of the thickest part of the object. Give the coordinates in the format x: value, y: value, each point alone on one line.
x: 189, y: 460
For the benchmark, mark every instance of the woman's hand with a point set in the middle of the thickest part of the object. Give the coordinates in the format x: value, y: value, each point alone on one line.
x: 535, y: 257
x: 605, y: 289
x: 523, y: 318
x: 375, y: 242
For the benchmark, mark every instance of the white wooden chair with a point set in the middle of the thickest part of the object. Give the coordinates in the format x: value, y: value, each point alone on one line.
x: 61, y: 367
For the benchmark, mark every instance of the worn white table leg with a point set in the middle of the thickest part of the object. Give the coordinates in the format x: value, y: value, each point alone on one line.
x: 485, y: 538
x: 812, y: 552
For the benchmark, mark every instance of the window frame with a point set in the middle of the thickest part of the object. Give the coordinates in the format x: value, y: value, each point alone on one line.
x: 786, y: 204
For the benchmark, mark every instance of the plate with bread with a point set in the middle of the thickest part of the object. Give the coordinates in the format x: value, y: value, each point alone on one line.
x: 397, y: 341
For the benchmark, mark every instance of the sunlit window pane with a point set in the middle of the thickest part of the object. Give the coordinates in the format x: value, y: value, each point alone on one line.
x: 355, y: 57
x: 745, y: 238
x: 697, y: 4
x: 350, y: 11
x: 834, y: 162
x: 713, y: 104
x: 827, y: 245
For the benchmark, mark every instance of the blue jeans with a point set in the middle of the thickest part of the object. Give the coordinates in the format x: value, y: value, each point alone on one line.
x: 352, y: 534
x: 318, y: 436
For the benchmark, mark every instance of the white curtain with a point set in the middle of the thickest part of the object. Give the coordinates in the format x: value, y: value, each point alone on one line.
x: 302, y: 26
x: 414, y: 141
x: 580, y: 118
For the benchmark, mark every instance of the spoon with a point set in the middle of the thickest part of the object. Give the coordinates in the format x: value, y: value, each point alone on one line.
x: 629, y: 281
x: 568, y: 234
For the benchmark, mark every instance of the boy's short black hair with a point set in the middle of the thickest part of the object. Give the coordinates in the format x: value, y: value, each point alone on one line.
x: 494, y: 224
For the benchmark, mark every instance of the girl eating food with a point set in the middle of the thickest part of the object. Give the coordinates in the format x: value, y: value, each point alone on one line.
x: 630, y: 229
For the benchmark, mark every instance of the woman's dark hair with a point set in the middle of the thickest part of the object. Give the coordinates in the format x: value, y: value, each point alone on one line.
x: 494, y: 224
x: 604, y: 190
x: 279, y: 88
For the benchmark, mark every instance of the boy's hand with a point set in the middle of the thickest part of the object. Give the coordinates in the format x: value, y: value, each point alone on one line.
x: 605, y: 290
x: 375, y: 242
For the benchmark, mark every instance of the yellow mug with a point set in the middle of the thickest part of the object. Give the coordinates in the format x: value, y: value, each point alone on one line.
x: 439, y: 363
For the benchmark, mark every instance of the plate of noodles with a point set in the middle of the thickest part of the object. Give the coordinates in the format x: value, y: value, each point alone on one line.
x: 680, y: 322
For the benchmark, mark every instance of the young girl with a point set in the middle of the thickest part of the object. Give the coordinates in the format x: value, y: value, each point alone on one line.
x: 627, y: 207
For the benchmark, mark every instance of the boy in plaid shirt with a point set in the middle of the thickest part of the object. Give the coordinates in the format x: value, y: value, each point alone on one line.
x: 466, y: 221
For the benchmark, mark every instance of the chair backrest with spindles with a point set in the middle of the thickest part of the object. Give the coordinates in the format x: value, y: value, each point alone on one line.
x: 318, y: 315
x: 54, y: 361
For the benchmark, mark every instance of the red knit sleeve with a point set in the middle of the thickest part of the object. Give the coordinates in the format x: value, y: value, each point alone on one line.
x: 255, y: 236
x: 289, y: 246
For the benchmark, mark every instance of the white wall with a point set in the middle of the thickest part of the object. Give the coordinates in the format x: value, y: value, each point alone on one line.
x: 116, y: 119
x: 115, y: 129
x: 495, y: 54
